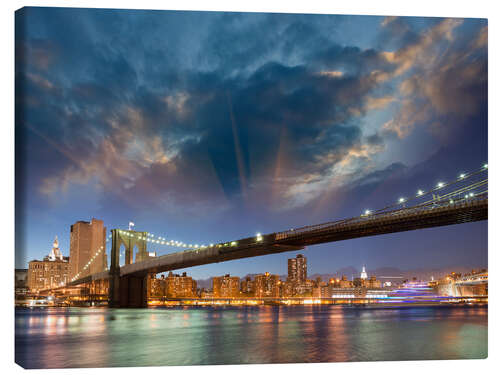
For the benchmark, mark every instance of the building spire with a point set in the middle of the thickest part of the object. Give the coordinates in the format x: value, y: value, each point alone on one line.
x: 364, y: 275
x: 55, y: 253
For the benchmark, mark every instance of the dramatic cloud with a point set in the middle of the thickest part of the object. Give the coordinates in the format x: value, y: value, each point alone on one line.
x: 447, y: 82
x: 223, y: 109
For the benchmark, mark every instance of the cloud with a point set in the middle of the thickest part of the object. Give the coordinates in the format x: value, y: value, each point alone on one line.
x: 241, y: 109
x: 450, y: 83
x: 378, y: 103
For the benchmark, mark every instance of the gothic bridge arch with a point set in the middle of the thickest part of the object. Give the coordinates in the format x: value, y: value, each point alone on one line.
x: 129, y: 239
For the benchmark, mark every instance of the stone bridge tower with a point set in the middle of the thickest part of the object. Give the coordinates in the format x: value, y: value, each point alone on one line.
x: 127, y: 291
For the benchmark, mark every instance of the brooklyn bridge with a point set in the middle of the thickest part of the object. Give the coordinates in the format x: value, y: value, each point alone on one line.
x: 463, y: 200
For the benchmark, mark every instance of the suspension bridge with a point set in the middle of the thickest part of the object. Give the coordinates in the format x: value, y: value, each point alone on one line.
x: 462, y: 200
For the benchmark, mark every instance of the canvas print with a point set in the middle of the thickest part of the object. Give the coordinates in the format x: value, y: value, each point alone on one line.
x: 214, y: 188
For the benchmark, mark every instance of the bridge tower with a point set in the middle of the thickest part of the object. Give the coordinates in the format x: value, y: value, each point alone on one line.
x: 131, y: 291
x: 130, y: 239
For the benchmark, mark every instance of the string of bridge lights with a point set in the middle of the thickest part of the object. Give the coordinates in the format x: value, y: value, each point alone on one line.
x: 88, y: 263
x: 150, y: 237
x: 439, y: 185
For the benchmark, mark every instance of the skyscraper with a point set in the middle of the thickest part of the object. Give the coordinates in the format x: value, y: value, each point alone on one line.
x: 86, y: 239
x: 297, y: 269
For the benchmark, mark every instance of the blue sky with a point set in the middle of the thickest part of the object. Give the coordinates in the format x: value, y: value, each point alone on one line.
x: 211, y: 126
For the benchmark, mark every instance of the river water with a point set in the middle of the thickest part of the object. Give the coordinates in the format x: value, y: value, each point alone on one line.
x: 102, y: 337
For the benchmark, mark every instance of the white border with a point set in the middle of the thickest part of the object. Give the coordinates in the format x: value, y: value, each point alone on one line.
x: 479, y: 9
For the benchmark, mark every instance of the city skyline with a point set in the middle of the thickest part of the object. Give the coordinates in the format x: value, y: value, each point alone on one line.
x: 349, y: 271
x: 244, y: 138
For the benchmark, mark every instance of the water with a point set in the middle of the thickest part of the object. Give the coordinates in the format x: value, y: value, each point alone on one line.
x: 101, y: 337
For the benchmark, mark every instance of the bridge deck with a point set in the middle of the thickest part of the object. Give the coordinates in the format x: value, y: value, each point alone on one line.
x: 419, y: 217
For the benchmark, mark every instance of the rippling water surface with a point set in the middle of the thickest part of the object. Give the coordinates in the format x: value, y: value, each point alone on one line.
x: 101, y: 337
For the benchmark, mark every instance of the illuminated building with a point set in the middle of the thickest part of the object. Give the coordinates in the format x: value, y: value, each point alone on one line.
x: 286, y: 289
x: 266, y: 285
x: 468, y: 285
x: 157, y: 288
x: 55, y: 253
x: 297, y: 269
x: 247, y: 287
x: 304, y: 289
x: 358, y: 282
x: 86, y: 239
x: 177, y: 286
x: 322, y: 291
x: 52, y: 271
x: 226, y: 286
x: 363, y: 275
x: 373, y: 283
x: 344, y: 283
x: 319, y: 288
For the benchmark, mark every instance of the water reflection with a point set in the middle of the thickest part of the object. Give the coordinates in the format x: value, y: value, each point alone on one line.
x: 78, y: 337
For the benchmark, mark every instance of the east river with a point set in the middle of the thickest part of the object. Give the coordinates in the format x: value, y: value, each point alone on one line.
x: 101, y: 337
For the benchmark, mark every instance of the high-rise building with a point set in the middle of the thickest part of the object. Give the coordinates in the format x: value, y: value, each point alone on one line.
x: 226, y: 286
x: 51, y: 272
x: 297, y: 269
x: 87, y: 240
x: 267, y: 285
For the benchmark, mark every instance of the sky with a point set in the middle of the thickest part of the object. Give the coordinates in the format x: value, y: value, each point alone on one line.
x: 205, y: 127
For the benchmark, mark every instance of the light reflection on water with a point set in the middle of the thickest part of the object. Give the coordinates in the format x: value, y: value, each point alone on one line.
x: 100, y: 337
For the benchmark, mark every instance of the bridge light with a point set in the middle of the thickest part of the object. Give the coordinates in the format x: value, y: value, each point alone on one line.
x: 211, y: 245
x: 451, y: 201
x: 367, y: 212
x: 420, y: 192
x: 401, y: 200
x: 485, y: 166
x: 440, y: 185
x: 462, y: 175
x: 471, y: 194
x: 233, y: 243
